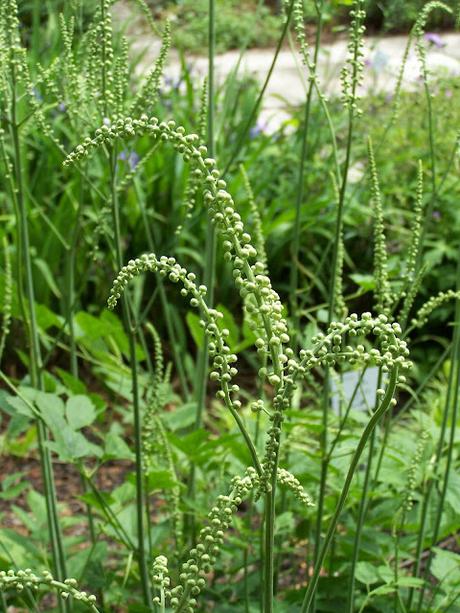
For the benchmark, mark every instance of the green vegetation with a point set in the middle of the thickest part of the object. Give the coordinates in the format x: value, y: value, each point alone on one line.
x: 229, y: 357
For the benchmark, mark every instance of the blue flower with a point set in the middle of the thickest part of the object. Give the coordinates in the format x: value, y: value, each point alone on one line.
x: 435, y: 39
x: 132, y: 157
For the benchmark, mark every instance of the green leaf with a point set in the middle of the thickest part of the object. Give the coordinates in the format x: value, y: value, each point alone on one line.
x: 383, y: 590
x: 76, y: 386
x: 160, y: 480
x: 19, y: 406
x: 71, y: 445
x: 115, y: 447
x: 51, y: 408
x: 46, y: 318
x: 365, y: 282
x: 80, y: 411
x: 367, y: 573
x: 182, y: 417
x: 446, y: 566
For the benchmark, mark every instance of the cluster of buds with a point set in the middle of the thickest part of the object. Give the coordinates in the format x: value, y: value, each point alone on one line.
x: 331, y: 348
x: 161, y: 580
x: 287, y: 479
x: 248, y: 272
x: 413, y: 470
x: 224, y: 369
x: 433, y: 303
x: 202, y: 558
x: 352, y: 73
x: 28, y: 580
x: 382, y: 289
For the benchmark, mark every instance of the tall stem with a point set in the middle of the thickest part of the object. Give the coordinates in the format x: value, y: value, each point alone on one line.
x: 35, y: 353
x: 210, y: 248
x: 374, y: 420
x: 294, y: 280
x: 130, y: 331
x: 333, y: 289
x: 452, y: 394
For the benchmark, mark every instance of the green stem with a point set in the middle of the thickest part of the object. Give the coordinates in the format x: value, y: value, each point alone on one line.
x: 332, y: 301
x: 361, y: 516
x: 209, y: 256
x: 35, y: 353
x: 130, y: 331
x: 294, y: 280
x: 258, y: 102
x: 380, y: 411
x: 429, y: 488
x: 176, y: 350
x: 454, y: 382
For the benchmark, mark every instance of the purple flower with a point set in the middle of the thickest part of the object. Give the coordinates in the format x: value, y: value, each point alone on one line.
x: 259, y: 128
x: 172, y: 84
x: 448, y: 93
x: 37, y: 95
x: 62, y: 107
x: 436, y: 215
x: 131, y: 157
x: 435, y: 39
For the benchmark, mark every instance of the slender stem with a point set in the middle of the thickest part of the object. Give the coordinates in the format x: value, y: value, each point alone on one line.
x: 381, y: 410
x: 454, y: 382
x: 164, y: 302
x: 359, y: 526
x: 361, y: 516
x: 210, y: 253
x: 429, y: 488
x: 130, y: 331
x: 294, y: 280
x: 35, y: 353
x: 332, y: 302
x: 257, y: 104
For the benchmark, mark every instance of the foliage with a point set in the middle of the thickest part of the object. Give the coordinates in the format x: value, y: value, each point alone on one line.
x: 238, y: 24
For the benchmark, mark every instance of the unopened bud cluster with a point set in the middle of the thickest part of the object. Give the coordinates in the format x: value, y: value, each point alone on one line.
x: 202, y: 558
x: 433, y: 303
x: 382, y: 289
x: 161, y: 580
x: 27, y: 579
x: 266, y: 308
x: 335, y: 346
x: 286, y: 479
x: 351, y: 75
x: 223, y: 360
x: 412, y: 472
